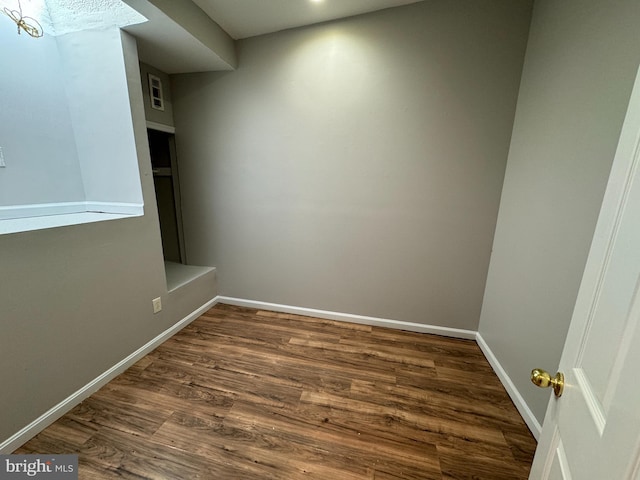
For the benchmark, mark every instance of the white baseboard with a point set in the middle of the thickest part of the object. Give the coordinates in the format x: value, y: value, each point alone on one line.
x: 348, y: 317
x: 524, y: 410
x: 46, y: 419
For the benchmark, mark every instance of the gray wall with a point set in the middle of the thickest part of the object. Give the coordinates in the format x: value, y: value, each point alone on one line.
x: 36, y: 137
x: 356, y: 166
x: 580, y: 65
x: 165, y: 116
x: 76, y: 300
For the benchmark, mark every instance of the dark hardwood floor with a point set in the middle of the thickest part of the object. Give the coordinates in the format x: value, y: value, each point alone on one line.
x: 248, y: 394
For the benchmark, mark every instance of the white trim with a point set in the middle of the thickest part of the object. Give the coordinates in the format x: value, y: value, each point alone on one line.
x: 17, y: 225
x: 593, y: 403
x: 161, y: 127
x: 348, y: 317
x: 46, y: 419
x: 11, y: 212
x: 518, y: 400
x: 116, y: 207
x: 160, y: 96
x: 26, y: 218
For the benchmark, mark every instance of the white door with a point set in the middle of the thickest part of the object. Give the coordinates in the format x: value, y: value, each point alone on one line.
x: 592, y: 432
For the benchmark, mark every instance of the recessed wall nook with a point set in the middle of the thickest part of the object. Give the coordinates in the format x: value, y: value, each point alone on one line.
x: 67, y: 140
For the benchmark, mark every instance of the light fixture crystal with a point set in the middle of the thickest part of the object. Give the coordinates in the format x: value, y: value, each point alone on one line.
x: 29, y: 24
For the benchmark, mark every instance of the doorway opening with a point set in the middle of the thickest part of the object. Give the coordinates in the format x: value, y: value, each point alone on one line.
x: 167, y: 186
x: 166, y: 181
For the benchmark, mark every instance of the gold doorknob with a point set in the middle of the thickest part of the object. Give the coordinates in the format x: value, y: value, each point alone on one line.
x: 542, y: 379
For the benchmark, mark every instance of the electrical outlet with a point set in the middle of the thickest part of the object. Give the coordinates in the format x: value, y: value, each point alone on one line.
x: 157, y: 304
x: 2, y: 164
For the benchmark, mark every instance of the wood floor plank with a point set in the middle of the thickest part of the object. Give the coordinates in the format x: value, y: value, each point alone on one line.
x: 263, y: 448
x: 402, y: 418
x: 132, y: 419
x: 250, y: 394
x: 431, y: 382
x: 468, y: 410
x: 220, y: 444
x: 135, y: 457
x: 458, y: 464
x: 163, y: 393
x: 339, y: 446
x: 394, y: 355
x: 311, y: 322
x: 277, y: 329
x: 352, y: 363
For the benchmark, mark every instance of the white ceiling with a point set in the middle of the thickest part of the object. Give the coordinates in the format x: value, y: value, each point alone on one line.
x: 248, y: 18
x: 168, y: 46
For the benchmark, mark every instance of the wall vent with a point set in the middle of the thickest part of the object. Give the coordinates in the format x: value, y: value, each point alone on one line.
x: 155, y: 92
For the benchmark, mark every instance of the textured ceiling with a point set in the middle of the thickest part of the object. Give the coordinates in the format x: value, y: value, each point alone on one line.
x: 247, y: 18
x: 70, y: 16
x: 59, y: 17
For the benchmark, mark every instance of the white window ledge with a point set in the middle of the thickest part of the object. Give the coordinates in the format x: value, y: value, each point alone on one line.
x: 26, y: 218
